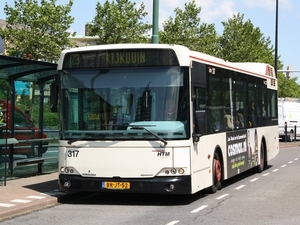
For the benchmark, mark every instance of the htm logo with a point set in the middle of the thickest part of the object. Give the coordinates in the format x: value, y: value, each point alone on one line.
x: 161, y: 154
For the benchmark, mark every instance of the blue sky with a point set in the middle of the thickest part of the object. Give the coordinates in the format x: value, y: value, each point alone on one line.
x: 260, y: 12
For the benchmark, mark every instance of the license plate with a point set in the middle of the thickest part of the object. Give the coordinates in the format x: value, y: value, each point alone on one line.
x: 116, y: 185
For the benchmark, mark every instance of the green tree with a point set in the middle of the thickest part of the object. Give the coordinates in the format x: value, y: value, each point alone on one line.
x: 242, y: 42
x: 119, y: 22
x: 288, y: 87
x: 37, y: 31
x: 185, y: 29
x: 4, y: 89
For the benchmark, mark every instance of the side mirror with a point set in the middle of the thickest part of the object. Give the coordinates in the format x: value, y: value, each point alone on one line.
x: 196, y: 138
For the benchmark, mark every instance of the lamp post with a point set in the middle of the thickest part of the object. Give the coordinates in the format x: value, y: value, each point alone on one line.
x: 155, y: 22
x: 276, y: 38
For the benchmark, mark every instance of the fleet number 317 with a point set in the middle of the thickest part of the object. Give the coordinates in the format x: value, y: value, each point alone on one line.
x: 73, y: 153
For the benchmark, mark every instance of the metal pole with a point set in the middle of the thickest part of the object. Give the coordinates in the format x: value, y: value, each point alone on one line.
x: 155, y: 22
x: 276, y: 38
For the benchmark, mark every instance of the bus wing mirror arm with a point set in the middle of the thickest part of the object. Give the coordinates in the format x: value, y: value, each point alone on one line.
x: 196, y: 137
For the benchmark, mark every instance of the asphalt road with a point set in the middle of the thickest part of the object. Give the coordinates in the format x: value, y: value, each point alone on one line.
x: 271, y: 197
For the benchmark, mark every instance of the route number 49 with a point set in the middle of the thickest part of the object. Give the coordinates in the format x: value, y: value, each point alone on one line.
x: 73, y: 153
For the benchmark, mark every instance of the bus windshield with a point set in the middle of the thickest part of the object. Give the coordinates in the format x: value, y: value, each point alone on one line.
x: 110, y: 104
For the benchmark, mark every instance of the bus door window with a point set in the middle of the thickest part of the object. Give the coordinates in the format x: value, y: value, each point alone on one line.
x: 199, y: 105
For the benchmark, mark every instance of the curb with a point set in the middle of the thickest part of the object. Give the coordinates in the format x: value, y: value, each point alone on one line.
x: 289, y: 144
x: 23, y: 210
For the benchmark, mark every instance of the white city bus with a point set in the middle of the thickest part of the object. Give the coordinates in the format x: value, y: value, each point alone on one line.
x: 156, y: 118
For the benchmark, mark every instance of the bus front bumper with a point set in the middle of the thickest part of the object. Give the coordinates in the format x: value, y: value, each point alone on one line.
x: 156, y: 185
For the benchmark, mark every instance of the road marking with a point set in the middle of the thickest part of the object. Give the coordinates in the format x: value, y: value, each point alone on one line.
x: 296, y: 159
x: 6, y: 205
x: 283, y: 166
x: 20, y: 201
x: 173, y: 222
x: 240, y: 187
x: 275, y: 170
x: 266, y: 174
x: 35, y: 197
x: 199, y: 209
x: 255, y: 179
x: 222, y: 196
x: 290, y: 162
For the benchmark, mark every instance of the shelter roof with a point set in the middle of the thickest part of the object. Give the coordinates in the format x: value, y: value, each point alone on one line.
x: 13, y: 68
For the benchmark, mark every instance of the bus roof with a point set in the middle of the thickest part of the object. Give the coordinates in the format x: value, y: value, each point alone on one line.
x: 184, y: 57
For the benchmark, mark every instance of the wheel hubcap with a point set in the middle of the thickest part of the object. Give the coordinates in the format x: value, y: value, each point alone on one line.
x: 218, y: 169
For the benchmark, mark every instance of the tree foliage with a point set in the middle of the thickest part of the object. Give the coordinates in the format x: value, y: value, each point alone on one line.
x: 185, y: 29
x: 288, y: 87
x: 242, y: 42
x: 37, y: 31
x: 119, y: 22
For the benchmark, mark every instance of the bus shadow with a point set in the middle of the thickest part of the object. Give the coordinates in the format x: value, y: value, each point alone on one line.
x: 242, y: 176
x: 95, y: 198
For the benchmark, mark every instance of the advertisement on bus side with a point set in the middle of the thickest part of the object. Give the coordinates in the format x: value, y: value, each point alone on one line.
x: 242, y: 150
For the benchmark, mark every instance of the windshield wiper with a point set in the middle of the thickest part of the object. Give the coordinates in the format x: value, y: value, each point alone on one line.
x: 86, y: 136
x: 134, y: 127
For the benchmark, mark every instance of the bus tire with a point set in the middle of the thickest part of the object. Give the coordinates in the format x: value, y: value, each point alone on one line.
x: 262, y: 162
x: 216, y: 174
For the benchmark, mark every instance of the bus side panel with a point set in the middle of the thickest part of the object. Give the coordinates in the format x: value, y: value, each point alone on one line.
x: 272, y: 143
x: 181, y: 159
x: 202, y: 160
x: 238, y: 151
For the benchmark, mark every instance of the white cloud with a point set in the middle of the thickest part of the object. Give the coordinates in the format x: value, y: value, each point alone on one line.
x: 211, y: 10
x: 218, y: 11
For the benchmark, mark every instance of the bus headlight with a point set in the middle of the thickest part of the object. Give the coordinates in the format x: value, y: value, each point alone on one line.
x: 181, y: 171
x: 66, y: 170
x: 173, y: 171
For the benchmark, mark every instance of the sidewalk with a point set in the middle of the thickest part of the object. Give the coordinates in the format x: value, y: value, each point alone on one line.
x: 289, y: 144
x: 24, y: 195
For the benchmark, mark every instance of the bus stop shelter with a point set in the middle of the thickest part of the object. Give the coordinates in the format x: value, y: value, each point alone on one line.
x: 19, y: 69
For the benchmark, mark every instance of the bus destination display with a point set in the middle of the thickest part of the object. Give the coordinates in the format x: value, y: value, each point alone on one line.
x: 120, y: 58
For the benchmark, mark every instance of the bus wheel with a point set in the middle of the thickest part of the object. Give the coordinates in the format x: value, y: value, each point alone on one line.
x: 261, y: 165
x: 217, y: 174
